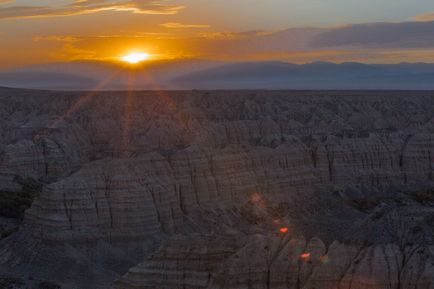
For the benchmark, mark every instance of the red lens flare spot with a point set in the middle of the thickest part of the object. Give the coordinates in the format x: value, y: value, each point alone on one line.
x: 256, y: 198
x: 284, y: 230
x: 305, y: 256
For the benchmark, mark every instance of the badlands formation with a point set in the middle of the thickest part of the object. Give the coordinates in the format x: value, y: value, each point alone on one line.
x: 219, y: 189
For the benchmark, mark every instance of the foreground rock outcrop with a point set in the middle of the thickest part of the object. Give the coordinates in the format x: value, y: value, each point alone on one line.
x: 271, y: 262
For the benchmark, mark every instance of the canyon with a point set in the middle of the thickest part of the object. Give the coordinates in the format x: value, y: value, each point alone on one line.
x: 219, y: 189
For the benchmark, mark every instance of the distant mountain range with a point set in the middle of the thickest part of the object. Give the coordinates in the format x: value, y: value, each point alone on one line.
x: 318, y: 75
x: 204, y: 74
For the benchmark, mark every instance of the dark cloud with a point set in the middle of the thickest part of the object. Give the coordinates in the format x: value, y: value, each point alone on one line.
x: 382, y: 35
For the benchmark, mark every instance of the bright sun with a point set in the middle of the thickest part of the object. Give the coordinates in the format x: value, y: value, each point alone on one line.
x: 135, y: 57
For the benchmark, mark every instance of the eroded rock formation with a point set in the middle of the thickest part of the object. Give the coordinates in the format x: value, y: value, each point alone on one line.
x: 123, y: 173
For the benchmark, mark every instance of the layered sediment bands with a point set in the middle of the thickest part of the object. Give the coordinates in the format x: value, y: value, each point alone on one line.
x: 48, y: 153
x: 111, y: 199
x: 186, y: 262
x: 375, y: 160
x: 133, y: 198
x: 211, y: 178
x: 265, y: 261
x: 7, y: 181
x: 372, y: 160
x: 417, y: 157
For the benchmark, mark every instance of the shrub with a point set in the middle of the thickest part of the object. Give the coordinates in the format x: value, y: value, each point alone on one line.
x: 10, y: 283
x: 7, y: 232
x: 364, y: 204
x: 424, y: 197
x: 48, y: 285
x: 13, y: 205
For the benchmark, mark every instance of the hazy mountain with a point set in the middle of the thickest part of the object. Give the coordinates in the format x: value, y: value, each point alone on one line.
x: 78, y: 75
x: 318, y: 75
x: 45, y: 80
x: 203, y: 74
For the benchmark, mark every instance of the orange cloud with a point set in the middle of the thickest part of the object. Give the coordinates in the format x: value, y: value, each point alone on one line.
x: 229, y: 35
x: 177, y: 25
x: 57, y: 38
x: 69, y: 48
x: 349, y: 43
x: 234, y: 47
x: 80, y: 7
x: 424, y: 17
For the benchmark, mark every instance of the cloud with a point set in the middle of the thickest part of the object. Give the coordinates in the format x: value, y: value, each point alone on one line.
x: 296, y: 44
x: 424, y: 17
x: 57, y: 38
x: 69, y: 47
x: 370, y: 42
x: 379, y: 35
x: 80, y: 7
x: 176, y: 25
x: 229, y: 35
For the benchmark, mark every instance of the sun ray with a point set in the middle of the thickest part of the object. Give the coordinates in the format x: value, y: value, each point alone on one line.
x: 127, y: 119
x: 83, y: 99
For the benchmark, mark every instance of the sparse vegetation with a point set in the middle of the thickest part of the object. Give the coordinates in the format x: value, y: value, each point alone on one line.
x: 48, y: 285
x: 364, y: 204
x: 424, y: 197
x: 13, y: 204
x: 7, y: 232
x: 10, y: 283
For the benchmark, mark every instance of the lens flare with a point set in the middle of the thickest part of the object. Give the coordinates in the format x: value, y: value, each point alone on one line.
x: 284, y: 230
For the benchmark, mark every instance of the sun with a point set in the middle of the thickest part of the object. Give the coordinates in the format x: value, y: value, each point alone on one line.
x: 135, y: 57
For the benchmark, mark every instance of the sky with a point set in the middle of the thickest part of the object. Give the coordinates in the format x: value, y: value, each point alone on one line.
x: 371, y: 31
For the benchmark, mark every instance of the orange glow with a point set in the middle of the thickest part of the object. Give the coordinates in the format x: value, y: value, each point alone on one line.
x: 256, y: 198
x: 305, y: 256
x: 135, y: 57
x: 284, y: 230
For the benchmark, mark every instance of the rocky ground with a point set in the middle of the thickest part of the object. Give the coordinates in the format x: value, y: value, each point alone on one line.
x: 217, y: 189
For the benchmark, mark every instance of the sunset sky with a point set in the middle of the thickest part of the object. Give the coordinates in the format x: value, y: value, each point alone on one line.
x: 373, y: 31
